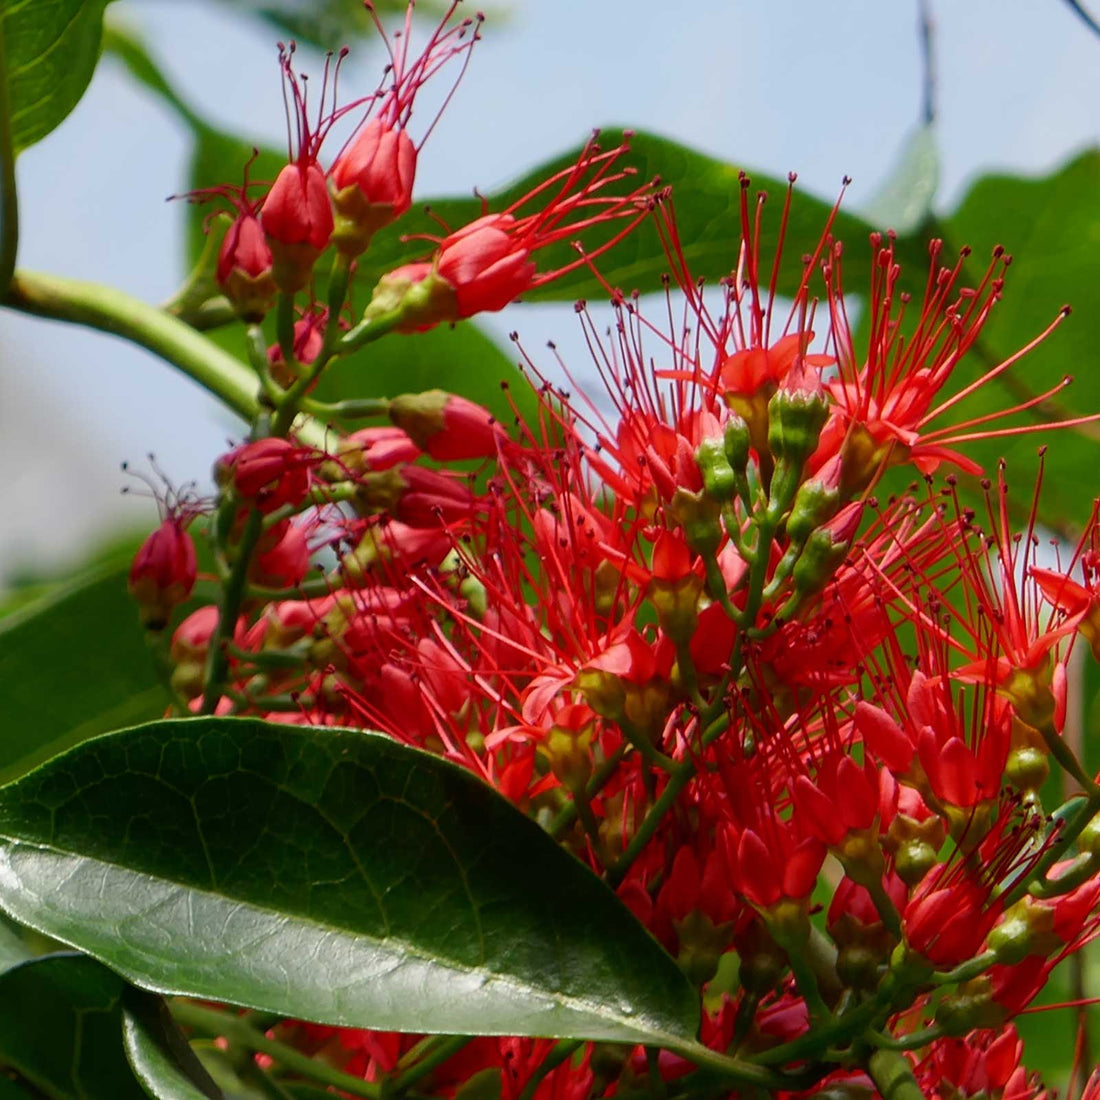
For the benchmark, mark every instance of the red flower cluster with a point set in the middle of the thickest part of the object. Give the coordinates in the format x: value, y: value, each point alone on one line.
x: 687, y: 638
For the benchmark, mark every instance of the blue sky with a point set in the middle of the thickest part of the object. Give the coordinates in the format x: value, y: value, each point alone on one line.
x: 827, y: 89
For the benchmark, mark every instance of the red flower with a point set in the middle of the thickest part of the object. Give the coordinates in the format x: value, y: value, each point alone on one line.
x: 270, y: 472
x: 163, y: 571
x: 447, y: 427
x: 490, y: 262
x: 244, y: 267
x: 372, y: 177
x: 297, y: 210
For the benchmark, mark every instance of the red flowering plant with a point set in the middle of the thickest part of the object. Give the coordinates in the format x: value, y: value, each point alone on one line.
x: 654, y: 742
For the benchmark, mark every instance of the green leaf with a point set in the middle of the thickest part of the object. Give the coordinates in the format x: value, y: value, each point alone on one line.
x: 13, y: 1090
x: 51, y: 49
x: 60, y: 1028
x: 73, y: 664
x: 331, y: 875
x: 1051, y: 226
x: 706, y: 197
x: 13, y: 950
x: 904, y: 200
x: 159, y: 1054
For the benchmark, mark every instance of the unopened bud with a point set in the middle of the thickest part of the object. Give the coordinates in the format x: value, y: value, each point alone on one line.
x: 914, y: 845
x: 1026, y: 929
x: 297, y: 218
x: 244, y: 268
x: 567, y: 747
x: 447, y: 427
x: 418, y: 294
x: 719, y: 481
x: 372, y: 182
x: 700, y: 519
x: 970, y: 1008
x: 795, y: 420
x: 163, y: 573
x: 737, y: 440
x: 701, y: 946
x: 814, y: 504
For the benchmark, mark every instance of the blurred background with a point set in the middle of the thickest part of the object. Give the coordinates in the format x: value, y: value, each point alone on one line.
x: 826, y: 90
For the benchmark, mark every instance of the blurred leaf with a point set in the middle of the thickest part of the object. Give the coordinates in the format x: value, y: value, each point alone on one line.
x: 51, y: 48
x: 60, y: 1028
x: 706, y: 197
x: 331, y: 875
x: 329, y: 24
x: 903, y: 202
x: 12, y: 949
x: 12, y: 1090
x: 159, y: 1054
x: 1052, y: 226
x: 73, y: 664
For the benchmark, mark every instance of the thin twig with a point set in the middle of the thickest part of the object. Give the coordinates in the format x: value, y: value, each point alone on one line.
x: 926, y: 28
x: 1084, y: 16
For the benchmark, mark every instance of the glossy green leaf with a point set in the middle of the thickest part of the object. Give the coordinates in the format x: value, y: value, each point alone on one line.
x: 332, y: 875
x: 73, y: 664
x: 159, y: 1054
x: 60, y: 1028
x: 51, y: 48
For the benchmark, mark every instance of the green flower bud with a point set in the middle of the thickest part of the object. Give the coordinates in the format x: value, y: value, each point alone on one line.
x: 795, y: 420
x: 737, y: 441
x: 971, y: 1007
x: 701, y: 520
x: 719, y: 480
x: 814, y: 504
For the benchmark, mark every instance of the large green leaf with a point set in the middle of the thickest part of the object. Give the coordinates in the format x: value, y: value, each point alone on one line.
x: 332, y: 875
x: 706, y: 196
x: 159, y: 1053
x: 51, y: 48
x: 60, y: 1028
x: 73, y: 664
x: 1051, y: 226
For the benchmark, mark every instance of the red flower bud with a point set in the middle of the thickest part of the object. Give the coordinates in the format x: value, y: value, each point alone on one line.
x: 270, y: 472
x: 448, y: 427
x: 244, y: 268
x: 372, y: 182
x: 286, y: 563
x: 297, y: 218
x: 163, y: 572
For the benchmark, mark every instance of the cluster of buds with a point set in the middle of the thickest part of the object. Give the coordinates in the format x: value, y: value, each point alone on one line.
x: 689, y: 640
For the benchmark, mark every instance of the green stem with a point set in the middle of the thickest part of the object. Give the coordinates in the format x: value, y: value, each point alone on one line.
x: 913, y: 1041
x: 217, y: 659
x: 445, y: 1047
x: 972, y: 968
x: 284, y: 329
x: 109, y: 310
x: 600, y: 777
x: 1057, y: 850
x: 893, y: 1076
x: 557, y: 1055
x: 207, y: 1021
x: 367, y: 331
x: 9, y: 197
x: 677, y: 781
x: 352, y: 409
